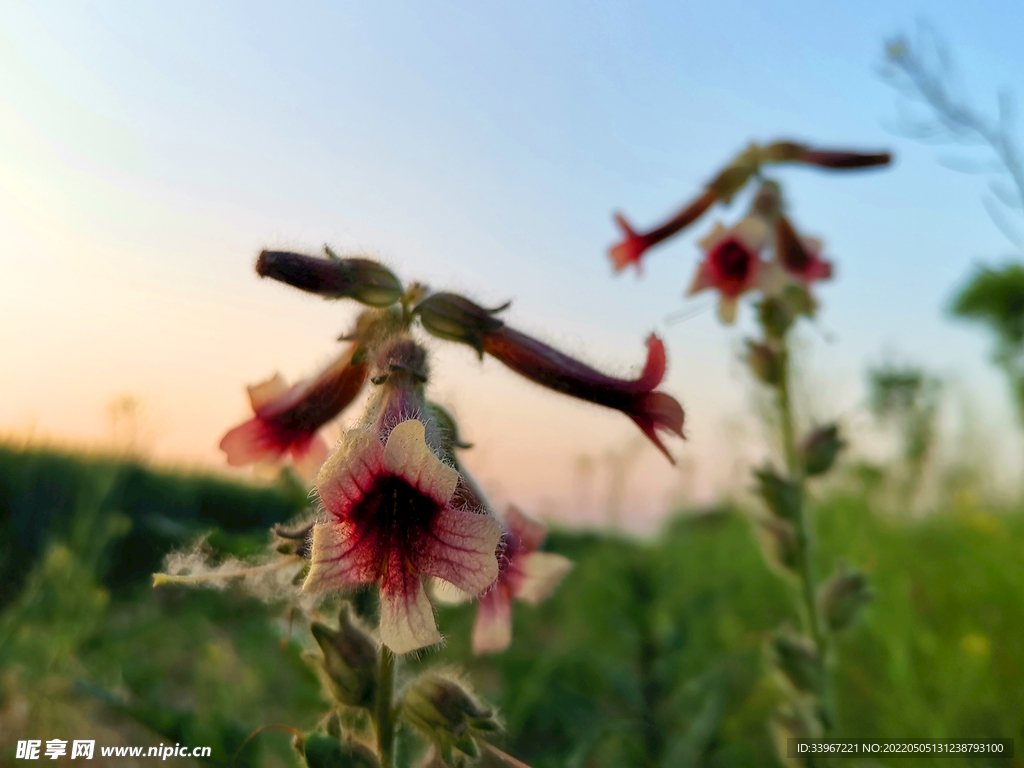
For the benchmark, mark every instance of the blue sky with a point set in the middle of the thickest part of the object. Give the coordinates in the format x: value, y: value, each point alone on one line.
x: 149, y: 151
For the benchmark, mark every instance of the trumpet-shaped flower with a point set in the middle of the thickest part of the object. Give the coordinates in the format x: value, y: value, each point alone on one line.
x: 389, y: 519
x: 287, y: 420
x: 731, y: 263
x: 392, y: 513
x: 799, y: 256
x: 524, y: 574
x: 456, y: 318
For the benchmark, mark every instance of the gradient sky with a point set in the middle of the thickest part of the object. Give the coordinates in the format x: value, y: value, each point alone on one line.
x: 148, y: 151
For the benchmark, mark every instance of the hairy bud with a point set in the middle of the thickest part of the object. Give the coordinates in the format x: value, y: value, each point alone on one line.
x: 442, y: 707
x: 798, y: 660
x: 778, y: 543
x: 764, y: 362
x: 819, y: 449
x: 321, y: 750
x: 841, y: 598
x: 364, y: 280
x: 781, y: 496
x: 776, y: 316
x: 455, y: 318
x: 350, y: 660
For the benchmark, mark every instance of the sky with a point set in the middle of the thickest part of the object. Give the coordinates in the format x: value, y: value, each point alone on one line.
x: 149, y: 151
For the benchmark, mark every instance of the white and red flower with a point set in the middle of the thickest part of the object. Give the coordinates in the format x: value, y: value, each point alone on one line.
x: 524, y: 574
x: 731, y: 263
x: 287, y: 420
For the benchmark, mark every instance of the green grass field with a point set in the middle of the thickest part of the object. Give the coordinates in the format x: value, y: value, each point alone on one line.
x: 652, y: 653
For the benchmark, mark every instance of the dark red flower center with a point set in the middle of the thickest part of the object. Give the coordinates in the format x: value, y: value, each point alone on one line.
x: 395, y: 514
x: 732, y: 260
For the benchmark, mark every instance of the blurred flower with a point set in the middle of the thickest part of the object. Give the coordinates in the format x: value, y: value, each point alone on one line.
x: 364, y: 280
x: 523, y: 574
x: 390, y: 516
x: 634, y: 245
x: 731, y: 263
x: 799, y: 661
x: 458, y: 319
x: 797, y: 255
x: 286, y: 419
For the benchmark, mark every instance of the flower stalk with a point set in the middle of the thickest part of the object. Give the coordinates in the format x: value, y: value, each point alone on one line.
x: 385, y: 709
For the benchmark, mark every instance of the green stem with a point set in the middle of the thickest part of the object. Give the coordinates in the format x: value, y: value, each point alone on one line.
x: 385, y: 712
x: 804, y: 534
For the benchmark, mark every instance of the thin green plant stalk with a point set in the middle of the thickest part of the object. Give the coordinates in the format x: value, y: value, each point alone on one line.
x: 385, y: 712
x: 804, y: 534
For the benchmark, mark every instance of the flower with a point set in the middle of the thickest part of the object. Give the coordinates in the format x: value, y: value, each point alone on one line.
x: 798, y: 256
x: 287, y: 419
x: 632, y: 248
x: 391, y: 512
x: 731, y: 262
x: 523, y: 574
x: 456, y: 318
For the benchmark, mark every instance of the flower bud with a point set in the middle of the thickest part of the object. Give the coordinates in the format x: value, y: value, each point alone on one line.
x: 781, y: 496
x: 733, y: 178
x: 442, y: 707
x: 798, y: 660
x: 320, y: 750
x: 364, y: 280
x: 819, y: 449
x: 764, y: 362
x: 842, y: 596
x: 350, y: 660
x: 452, y: 317
x: 836, y: 159
x: 776, y: 316
x: 768, y: 201
x: 778, y: 544
x: 799, y: 300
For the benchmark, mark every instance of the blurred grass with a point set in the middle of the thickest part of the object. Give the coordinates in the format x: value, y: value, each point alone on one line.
x: 650, y: 654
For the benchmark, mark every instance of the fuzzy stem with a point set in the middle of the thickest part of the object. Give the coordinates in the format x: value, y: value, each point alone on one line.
x: 804, y: 534
x: 385, y: 713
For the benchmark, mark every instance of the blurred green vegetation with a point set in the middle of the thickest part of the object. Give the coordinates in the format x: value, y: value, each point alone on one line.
x: 651, y: 653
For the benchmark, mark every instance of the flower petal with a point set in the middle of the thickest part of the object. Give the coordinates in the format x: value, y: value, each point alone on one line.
x: 308, y: 456
x: 252, y: 441
x: 530, y: 533
x: 727, y: 310
x: 714, y: 237
x: 459, y: 548
x: 407, y: 456
x: 349, y: 474
x: 343, y: 555
x: 534, y: 576
x: 492, y: 630
x: 266, y: 391
x: 702, y: 279
x: 406, y: 616
x: 753, y: 231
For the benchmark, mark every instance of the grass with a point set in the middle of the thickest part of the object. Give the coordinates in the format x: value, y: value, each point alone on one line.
x: 650, y: 654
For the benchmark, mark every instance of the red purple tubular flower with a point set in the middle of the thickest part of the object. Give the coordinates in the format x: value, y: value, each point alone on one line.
x: 458, y: 319
x: 364, y: 280
x: 286, y: 421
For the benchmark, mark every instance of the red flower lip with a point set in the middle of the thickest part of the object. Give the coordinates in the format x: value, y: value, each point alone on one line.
x: 287, y: 420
